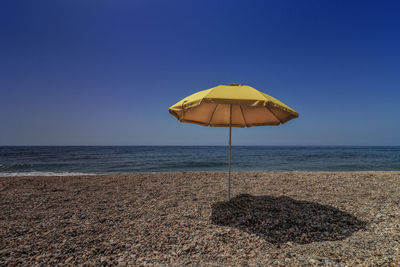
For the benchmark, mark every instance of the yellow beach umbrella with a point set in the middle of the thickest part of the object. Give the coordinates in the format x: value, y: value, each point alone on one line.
x: 230, y: 106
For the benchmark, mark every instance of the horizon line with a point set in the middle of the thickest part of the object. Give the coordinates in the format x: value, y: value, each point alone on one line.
x: 200, y: 145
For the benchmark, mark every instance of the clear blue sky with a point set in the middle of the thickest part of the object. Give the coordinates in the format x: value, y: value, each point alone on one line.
x: 105, y: 72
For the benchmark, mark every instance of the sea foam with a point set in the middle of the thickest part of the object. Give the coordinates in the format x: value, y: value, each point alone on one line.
x: 15, y: 174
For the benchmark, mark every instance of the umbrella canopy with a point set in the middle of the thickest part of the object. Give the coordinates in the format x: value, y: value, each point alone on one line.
x: 250, y: 107
x: 230, y: 106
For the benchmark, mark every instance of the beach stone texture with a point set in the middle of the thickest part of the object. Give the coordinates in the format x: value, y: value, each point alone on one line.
x: 184, y: 219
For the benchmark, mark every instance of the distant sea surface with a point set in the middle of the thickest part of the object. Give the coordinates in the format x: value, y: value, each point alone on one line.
x: 75, y: 160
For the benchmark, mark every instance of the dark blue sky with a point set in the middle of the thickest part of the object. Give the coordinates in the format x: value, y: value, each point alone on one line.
x: 105, y: 72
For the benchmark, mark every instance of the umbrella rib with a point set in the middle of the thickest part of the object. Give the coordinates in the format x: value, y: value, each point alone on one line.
x: 244, y: 119
x: 274, y: 114
x: 266, y: 106
x: 278, y: 106
x: 212, y: 115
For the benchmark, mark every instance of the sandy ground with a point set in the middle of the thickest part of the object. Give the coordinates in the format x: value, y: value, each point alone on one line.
x: 171, y: 219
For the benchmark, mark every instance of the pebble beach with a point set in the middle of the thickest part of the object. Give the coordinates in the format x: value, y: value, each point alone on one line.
x: 184, y: 219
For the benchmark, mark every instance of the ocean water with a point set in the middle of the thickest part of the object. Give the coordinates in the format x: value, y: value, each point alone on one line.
x: 75, y: 160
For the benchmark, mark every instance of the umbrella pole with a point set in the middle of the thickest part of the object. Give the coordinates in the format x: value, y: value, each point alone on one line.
x: 229, y: 165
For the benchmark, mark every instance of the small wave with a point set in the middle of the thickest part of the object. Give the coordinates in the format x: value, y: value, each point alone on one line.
x: 30, y: 166
x: 83, y: 157
x: 15, y: 174
x: 15, y: 166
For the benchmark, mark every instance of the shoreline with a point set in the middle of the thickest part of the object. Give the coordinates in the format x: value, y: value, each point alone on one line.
x: 71, y: 174
x: 172, y: 218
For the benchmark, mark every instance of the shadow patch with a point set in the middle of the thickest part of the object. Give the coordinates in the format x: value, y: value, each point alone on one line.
x: 283, y: 219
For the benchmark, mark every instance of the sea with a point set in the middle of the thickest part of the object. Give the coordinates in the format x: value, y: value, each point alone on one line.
x: 78, y: 160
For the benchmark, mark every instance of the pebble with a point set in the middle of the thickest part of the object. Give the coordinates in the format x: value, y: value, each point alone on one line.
x: 178, y: 219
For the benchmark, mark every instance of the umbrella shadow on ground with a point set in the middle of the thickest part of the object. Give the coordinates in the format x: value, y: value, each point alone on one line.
x: 283, y: 219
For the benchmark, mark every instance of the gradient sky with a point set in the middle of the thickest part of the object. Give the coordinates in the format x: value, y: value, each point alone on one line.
x: 105, y: 72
